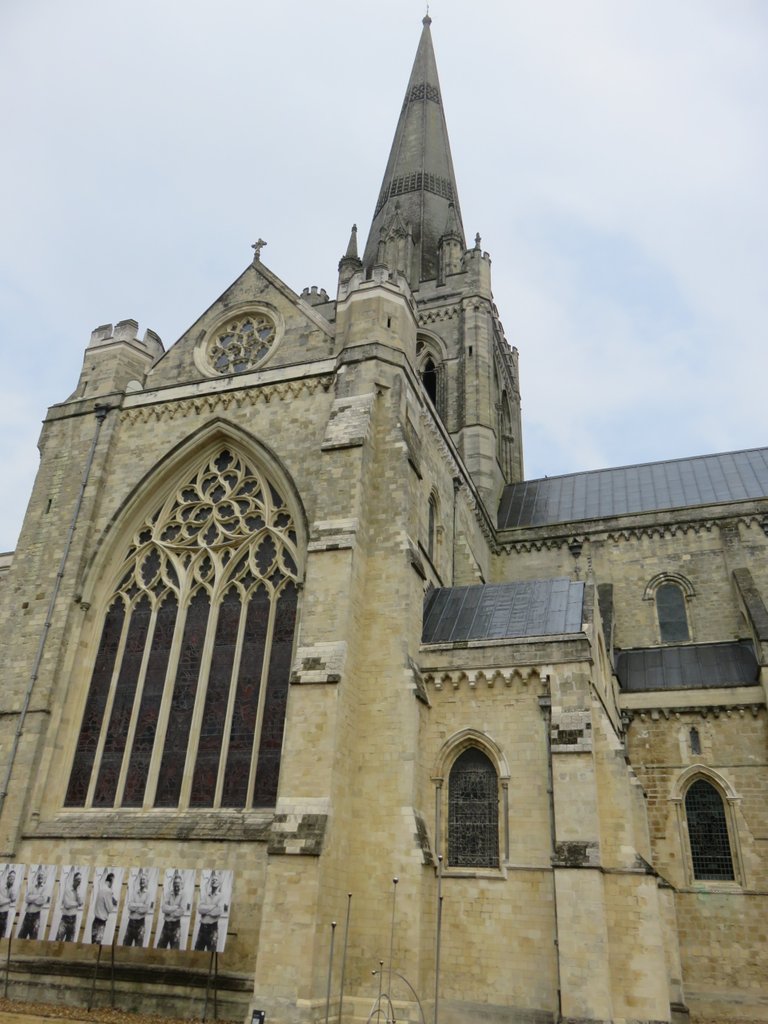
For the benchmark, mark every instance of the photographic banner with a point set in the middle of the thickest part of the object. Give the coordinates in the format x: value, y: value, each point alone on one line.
x: 175, y: 908
x: 67, y: 914
x: 139, y: 908
x: 212, y: 912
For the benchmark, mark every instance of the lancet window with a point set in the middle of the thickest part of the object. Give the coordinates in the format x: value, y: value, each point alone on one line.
x: 188, y: 691
x: 708, y: 832
x: 670, y: 609
x: 473, y: 811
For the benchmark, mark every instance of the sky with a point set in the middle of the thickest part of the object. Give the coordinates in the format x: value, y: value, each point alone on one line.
x: 613, y: 155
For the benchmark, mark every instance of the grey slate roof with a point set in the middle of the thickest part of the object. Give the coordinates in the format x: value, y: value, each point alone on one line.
x: 649, y: 487
x: 495, y: 611
x: 687, y: 667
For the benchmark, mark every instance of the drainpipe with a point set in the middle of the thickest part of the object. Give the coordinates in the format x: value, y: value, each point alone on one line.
x: 101, y: 414
x: 545, y: 703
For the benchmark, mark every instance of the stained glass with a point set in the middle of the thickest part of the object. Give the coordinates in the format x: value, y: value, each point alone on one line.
x: 183, y: 702
x: 122, y: 706
x: 276, y: 698
x: 708, y: 833
x: 215, y: 709
x: 246, y: 705
x: 149, y: 708
x: 224, y: 530
x: 94, y: 706
x: 473, y: 812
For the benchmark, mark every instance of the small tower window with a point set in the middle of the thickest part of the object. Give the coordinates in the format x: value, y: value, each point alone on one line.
x: 432, y: 528
x: 429, y: 380
x: 473, y: 812
x: 708, y: 833
x: 670, y: 609
x: 695, y: 741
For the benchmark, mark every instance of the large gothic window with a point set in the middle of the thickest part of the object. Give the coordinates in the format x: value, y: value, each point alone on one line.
x: 473, y: 811
x: 188, y: 691
x: 708, y: 833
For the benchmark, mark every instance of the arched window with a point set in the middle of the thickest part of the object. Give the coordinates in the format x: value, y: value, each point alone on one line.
x: 188, y: 691
x: 473, y: 811
x: 708, y: 832
x: 670, y: 609
x: 432, y: 528
x: 429, y: 380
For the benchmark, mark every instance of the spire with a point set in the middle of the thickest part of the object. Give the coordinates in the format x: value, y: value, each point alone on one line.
x: 419, y: 172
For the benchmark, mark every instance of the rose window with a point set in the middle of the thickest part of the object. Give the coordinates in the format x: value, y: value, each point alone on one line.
x: 242, y: 344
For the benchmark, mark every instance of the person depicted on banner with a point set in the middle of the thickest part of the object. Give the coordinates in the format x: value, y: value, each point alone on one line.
x: 106, y: 904
x: 34, y: 902
x: 139, y: 908
x: 71, y: 905
x: 173, y: 911
x: 211, y: 908
x: 8, y: 895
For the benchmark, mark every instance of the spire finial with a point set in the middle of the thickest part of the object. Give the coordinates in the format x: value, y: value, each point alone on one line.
x: 352, y: 245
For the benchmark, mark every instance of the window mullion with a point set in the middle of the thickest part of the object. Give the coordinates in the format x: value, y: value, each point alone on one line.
x: 107, y: 714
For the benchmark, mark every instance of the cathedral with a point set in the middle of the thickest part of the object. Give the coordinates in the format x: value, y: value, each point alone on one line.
x: 288, y: 631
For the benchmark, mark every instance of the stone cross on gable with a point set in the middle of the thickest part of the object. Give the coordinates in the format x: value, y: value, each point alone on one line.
x: 257, y: 247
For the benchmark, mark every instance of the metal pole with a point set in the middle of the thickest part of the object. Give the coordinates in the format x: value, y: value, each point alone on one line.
x: 381, y: 982
x: 93, y: 982
x: 8, y: 962
x: 438, y: 932
x: 392, y: 938
x: 208, y: 985
x: 344, y: 955
x: 112, y: 977
x: 330, y: 971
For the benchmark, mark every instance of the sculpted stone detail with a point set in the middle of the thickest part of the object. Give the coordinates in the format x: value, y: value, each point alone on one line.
x: 224, y: 400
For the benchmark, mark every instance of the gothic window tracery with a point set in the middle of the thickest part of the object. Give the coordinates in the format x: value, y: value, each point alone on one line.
x: 473, y: 811
x: 188, y: 691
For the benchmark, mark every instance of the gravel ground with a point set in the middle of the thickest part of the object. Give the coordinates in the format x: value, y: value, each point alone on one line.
x: 98, y: 1015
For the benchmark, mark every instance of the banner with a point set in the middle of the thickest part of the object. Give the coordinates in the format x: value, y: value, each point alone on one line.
x: 102, y: 912
x: 67, y: 915
x: 11, y: 880
x: 175, y: 909
x: 37, y: 902
x: 213, y: 905
x: 139, y: 908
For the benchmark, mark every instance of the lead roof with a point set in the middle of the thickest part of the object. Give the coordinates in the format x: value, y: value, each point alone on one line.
x: 646, y: 487
x: 497, y: 611
x: 687, y: 667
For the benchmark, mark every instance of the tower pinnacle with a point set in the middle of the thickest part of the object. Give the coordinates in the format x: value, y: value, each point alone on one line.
x: 419, y: 174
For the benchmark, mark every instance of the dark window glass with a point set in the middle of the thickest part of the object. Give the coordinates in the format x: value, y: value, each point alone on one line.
x: 708, y: 833
x: 670, y: 608
x: 120, y: 719
x: 273, y: 721
x: 94, y: 707
x: 149, y: 708
x: 246, y: 702
x: 431, y: 527
x: 695, y: 741
x: 183, y: 702
x: 216, y: 697
x: 473, y: 812
x: 429, y: 380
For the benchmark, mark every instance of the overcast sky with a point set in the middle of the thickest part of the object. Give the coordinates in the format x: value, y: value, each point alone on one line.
x: 613, y: 154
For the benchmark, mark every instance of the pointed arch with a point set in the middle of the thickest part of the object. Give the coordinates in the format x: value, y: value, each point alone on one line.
x: 188, y: 690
